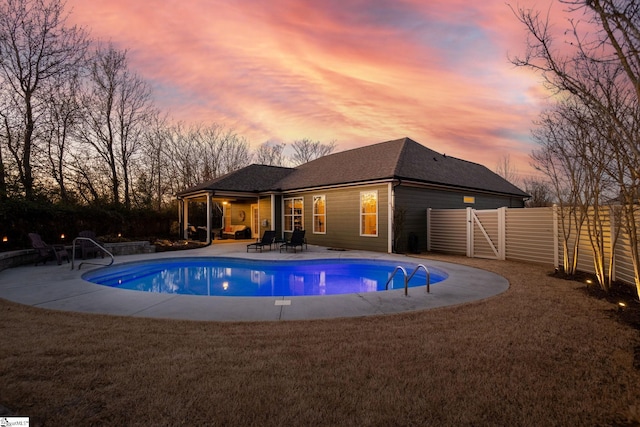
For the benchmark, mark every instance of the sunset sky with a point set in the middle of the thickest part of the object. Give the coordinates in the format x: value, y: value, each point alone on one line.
x: 357, y: 72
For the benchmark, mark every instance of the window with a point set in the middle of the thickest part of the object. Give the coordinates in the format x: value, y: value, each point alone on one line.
x: 369, y: 213
x: 319, y: 215
x: 293, y: 209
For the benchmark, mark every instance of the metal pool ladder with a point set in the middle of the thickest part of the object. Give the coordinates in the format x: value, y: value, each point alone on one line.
x: 408, y: 278
x: 73, y: 251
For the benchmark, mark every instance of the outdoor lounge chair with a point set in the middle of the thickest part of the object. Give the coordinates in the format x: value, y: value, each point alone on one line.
x: 46, y: 251
x: 87, y: 247
x: 268, y: 238
x: 297, y: 239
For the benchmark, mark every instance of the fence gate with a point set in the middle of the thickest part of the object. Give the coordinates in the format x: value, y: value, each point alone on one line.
x: 529, y: 234
x: 486, y: 233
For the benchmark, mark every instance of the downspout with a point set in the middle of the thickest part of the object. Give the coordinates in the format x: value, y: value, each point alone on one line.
x: 392, y: 205
x: 209, y: 213
x: 258, y: 232
x: 180, y: 219
x: 273, y: 212
x: 185, y: 219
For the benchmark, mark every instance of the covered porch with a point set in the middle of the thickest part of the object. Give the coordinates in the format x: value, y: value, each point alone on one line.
x: 207, y: 215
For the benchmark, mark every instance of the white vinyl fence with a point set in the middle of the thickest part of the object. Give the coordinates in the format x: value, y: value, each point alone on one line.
x: 529, y: 234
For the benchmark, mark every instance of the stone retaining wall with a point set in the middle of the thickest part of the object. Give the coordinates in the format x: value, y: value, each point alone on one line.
x: 130, y: 248
x: 14, y: 258
x: 28, y: 256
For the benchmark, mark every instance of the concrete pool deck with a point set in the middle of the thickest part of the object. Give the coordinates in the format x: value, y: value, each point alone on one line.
x: 57, y: 287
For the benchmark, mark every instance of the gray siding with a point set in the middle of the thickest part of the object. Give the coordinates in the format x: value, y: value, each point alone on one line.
x: 343, y: 218
x: 416, y: 200
x: 235, y: 209
x: 264, y: 206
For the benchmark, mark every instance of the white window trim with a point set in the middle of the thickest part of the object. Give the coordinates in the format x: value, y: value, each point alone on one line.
x: 292, y: 215
x: 361, y: 214
x: 314, y: 214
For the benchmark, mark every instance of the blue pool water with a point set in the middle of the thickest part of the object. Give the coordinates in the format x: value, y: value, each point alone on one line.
x: 258, y: 278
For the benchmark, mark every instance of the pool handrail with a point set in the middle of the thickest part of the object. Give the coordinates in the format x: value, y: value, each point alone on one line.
x: 407, y: 279
x: 404, y: 272
x: 102, y: 248
x: 426, y: 270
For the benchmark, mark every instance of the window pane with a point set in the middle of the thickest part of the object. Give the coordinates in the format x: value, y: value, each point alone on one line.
x: 318, y: 205
x: 369, y: 213
x: 369, y: 202
x: 369, y: 224
x: 293, y: 214
x: 319, y: 215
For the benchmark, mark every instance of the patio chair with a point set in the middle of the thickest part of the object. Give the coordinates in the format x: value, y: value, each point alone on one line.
x: 46, y: 251
x: 268, y: 238
x: 297, y: 239
x: 87, y: 247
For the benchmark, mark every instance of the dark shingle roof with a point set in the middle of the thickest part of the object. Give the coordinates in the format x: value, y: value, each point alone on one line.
x: 253, y: 178
x: 417, y: 162
x: 402, y: 159
x: 398, y: 159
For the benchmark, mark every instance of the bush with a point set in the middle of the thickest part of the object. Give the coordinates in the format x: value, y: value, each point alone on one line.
x: 18, y: 217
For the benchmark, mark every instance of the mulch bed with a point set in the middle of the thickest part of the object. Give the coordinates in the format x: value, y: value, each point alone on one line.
x: 625, y: 306
x: 163, y: 245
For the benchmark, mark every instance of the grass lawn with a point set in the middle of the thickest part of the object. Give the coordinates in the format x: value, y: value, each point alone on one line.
x: 541, y: 354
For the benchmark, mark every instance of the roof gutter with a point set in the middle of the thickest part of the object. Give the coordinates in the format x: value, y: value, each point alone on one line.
x: 460, y: 188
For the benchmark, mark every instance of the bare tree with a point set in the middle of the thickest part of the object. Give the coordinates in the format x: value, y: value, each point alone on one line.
x: 600, y: 73
x: 201, y: 153
x: 36, y: 49
x: 541, y: 193
x: 3, y: 180
x: 117, y: 105
x: 507, y: 170
x: 556, y: 159
x: 153, y: 171
x: 89, y: 176
x: 221, y: 150
x: 270, y: 153
x: 61, y: 119
x: 306, y: 150
x: 235, y: 153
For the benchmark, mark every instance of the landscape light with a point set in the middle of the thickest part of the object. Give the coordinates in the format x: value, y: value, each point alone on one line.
x: 62, y: 236
x: 589, y: 281
x: 5, y: 239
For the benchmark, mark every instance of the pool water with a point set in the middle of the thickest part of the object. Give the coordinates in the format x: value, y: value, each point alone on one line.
x: 259, y: 278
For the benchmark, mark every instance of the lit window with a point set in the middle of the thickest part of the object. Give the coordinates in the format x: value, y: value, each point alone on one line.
x: 319, y: 215
x: 369, y: 213
x: 293, y: 209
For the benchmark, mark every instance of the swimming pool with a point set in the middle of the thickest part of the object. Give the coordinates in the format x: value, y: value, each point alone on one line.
x: 219, y: 276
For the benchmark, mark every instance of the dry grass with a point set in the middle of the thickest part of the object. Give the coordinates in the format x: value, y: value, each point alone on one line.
x: 542, y: 353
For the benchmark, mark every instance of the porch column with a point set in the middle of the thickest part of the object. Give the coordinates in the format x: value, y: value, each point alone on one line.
x: 209, y: 213
x: 390, y: 210
x: 273, y: 212
x: 258, y: 232
x: 185, y: 218
x: 180, y: 218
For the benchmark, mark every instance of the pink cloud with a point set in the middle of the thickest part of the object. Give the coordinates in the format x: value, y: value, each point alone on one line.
x: 355, y: 72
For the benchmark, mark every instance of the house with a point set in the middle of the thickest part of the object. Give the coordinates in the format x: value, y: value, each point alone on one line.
x: 349, y: 199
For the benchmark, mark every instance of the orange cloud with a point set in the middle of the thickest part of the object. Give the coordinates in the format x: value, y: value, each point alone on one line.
x: 354, y: 72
